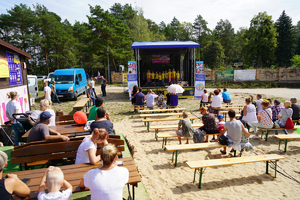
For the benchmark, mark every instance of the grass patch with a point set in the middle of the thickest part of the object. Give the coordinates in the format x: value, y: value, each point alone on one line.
x: 250, y: 84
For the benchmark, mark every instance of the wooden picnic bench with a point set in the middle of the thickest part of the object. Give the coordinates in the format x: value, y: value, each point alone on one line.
x: 65, y: 119
x: 207, y: 104
x: 178, y: 148
x: 40, y: 153
x: 225, y: 115
x: 161, y: 115
x: 147, y: 121
x: 74, y: 173
x: 144, y: 107
x: 162, y: 110
x: 83, y: 103
x: 266, y: 130
x: 156, y: 128
x: 199, y: 165
x: 285, y: 138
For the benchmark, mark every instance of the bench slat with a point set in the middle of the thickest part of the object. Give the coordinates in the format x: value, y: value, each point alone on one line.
x: 194, y: 146
x: 173, y: 126
x: 162, y: 110
x: 166, y: 119
x: 232, y: 161
x: 285, y: 137
x: 161, y: 114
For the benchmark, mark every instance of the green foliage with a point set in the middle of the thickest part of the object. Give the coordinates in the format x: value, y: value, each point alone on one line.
x: 214, y: 55
x: 139, y: 30
x: 296, y: 60
x: 260, y: 40
x: 285, y: 39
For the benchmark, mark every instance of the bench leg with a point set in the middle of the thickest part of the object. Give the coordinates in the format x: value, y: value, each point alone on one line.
x: 279, y: 144
x: 262, y: 133
x: 129, y: 192
x: 267, y: 133
x: 225, y: 117
x: 148, y: 124
x: 234, y: 153
x: 267, y: 167
x: 192, y: 121
x: 195, y: 175
x: 163, y: 141
x: 176, y: 154
x: 156, y: 131
x: 286, y: 141
x: 275, y: 167
x: 200, y: 178
x: 145, y: 122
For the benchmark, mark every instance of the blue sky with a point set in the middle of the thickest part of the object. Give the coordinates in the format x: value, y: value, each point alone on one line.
x: 238, y: 12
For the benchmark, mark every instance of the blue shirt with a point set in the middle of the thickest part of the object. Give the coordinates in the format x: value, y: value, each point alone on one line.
x: 139, y: 98
x: 174, y: 100
x: 226, y: 96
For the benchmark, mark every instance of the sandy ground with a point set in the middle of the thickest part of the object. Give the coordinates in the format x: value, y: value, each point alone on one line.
x: 247, y: 181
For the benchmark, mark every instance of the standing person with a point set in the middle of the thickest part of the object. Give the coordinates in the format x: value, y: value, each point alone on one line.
x: 209, y: 123
x: 264, y: 118
x: 139, y: 97
x: 53, y: 179
x: 92, y: 84
x: 93, y: 111
x: 168, y: 98
x: 87, y: 150
x: 163, y: 77
x: 103, y: 86
x: 174, y: 76
x: 98, y: 74
x: 296, y: 109
x: 53, y: 93
x: 108, y: 181
x: 152, y: 77
x: 276, y: 108
x: 185, y: 128
x: 150, y: 99
x: 226, y: 96
x: 12, y: 184
x: 249, y: 112
x: 166, y: 77
x: 159, y: 78
x: 170, y: 75
x: 258, y: 102
x: 103, y: 121
x: 134, y: 91
x: 47, y: 91
x: 90, y: 95
x: 174, y: 100
x: 204, y: 97
x: 177, y: 76
x: 283, y: 115
x: 156, y: 77
x: 148, y: 76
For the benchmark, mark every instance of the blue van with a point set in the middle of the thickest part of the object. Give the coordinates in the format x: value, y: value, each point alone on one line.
x: 70, y: 83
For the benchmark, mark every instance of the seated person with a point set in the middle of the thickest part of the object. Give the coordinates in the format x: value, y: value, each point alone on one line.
x: 174, y: 100
x: 185, y: 128
x: 216, y: 102
x: 53, y: 179
x: 234, y: 129
x: 106, y: 182
x: 150, y: 99
x: 226, y: 96
x: 87, y: 150
x: 11, y: 184
x: 209, y: 123
x: 296, y: 109
x: 40, y: 130
x: 90, y: 93
x: 204, y: 97
x: 160, y: 99
x: 103, y: 121
x: 93, y: 111
x: 140, y: 97
x: 283, y: 115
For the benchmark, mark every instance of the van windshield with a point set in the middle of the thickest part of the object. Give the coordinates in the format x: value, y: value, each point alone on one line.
x: 63, y: 79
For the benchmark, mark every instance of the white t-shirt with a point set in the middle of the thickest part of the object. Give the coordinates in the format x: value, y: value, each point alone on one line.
x: 220, y: 94
x: 106, y: 185
x: 63, y: 195
x: 82, y: 155
x: 92, y: 84
x: 52, y: 119
x: 216, y: 101
x: 258, y: 104
x: 11, y: 106
x: 205, y: 97
x: 48, y: 90
x: 150, y: 100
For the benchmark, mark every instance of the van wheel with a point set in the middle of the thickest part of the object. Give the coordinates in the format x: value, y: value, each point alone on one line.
x: 75, y: 98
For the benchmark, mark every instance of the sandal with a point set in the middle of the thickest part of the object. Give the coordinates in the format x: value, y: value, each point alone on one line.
x: 223, y: 152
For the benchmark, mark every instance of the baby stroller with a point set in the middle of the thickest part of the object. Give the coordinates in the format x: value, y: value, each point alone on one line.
x: 24, y: 125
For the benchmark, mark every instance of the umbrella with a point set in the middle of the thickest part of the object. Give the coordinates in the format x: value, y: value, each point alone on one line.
x: 174, y: 88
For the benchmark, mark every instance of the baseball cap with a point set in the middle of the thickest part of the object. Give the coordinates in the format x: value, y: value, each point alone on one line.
x: 220, y: 116
x: 99, y: 101
x: 44, y: 116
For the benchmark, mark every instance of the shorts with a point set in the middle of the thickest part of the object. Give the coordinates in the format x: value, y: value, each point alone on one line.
x: 213, y: 132
x: 179, y: 133
x: 226, y: 101
x: 148, y: 80
x: 169, y: 79
x: 223, y: 140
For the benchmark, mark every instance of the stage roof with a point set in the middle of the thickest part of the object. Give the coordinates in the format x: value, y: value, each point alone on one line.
x: 164, y: 44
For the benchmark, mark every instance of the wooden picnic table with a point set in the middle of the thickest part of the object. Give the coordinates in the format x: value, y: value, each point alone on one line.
x: 74, y: 173
x: 162, y: 110
x: 68, y: 130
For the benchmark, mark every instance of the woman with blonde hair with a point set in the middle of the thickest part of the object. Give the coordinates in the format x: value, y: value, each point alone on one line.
x: 87, y: 150
x: 45, y: 105
x: 12, y: 107
x: 106, y: 182
x: 249, y: 112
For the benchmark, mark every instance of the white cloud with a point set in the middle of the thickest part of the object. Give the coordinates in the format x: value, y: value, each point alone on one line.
x: 239, y: 13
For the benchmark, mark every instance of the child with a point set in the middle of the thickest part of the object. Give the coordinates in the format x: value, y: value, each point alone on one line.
x: 53, y: 179
x: 220, y: 125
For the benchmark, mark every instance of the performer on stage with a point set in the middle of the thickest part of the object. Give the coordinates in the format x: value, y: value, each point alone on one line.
x: 152, y: 76
x: 163, y: 77
x: 173, y: 75
x: 148, y: 76
x: 166, y: 77
x: 159, y: 78
x: 170, y: 75
x: 178, y: 76
x: 156, y: 77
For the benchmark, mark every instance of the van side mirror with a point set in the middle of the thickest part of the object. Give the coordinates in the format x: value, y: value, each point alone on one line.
x: 77, y: 82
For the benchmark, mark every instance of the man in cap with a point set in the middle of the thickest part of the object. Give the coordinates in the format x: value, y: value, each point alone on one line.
x: 40, y: 130
x: 93, y: 111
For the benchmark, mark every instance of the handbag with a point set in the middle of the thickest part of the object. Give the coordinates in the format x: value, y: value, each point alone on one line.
x: 275, y: 125
x: 289, y: 123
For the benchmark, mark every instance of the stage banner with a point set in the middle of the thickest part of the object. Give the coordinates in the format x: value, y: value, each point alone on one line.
x: 225, y: 75
x: 15, y: 75
x: 131, y: 81
x: 22, y: 99
x: 160, y: 58
x: 124, y: 78
x: 199, y: 85
x: 245, y: 75
x: 199, y: 67
x: 4, y: 71
x: 132, y: 67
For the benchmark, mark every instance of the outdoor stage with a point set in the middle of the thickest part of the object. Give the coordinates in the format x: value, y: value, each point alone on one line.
x: 165, y: 56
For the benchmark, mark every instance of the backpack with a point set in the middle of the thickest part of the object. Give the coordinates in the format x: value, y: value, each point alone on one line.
x: 289, y: 124
x: 198, y: 136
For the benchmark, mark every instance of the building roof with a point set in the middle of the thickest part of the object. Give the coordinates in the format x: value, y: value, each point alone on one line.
x: 13, y: 48
x: 164, y: 44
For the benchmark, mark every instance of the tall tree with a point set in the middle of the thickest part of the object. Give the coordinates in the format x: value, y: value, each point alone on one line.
x: 139, y: 30
x: 174, y: 29
x: 213, y: 55
x: 239, y: 44
x: 297, y: 39
x: 260, y: 40
x: 224, y: 34
x: 185, y: 31
x: 284, y: 40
